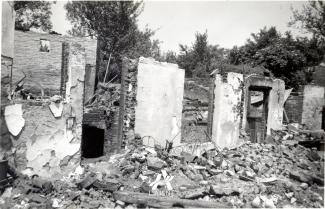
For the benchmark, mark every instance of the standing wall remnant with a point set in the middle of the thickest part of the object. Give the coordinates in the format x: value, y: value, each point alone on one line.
x: 49, y: 146
x: 313, y: 104
x: 90, y: 81
x: 276, y: 106
x: 159, y: 95
x: 233, y: 95
x: 43, y: 68
x: 226, y: 111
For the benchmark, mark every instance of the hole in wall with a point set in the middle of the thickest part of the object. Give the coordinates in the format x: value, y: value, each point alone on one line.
x: 92, y: 144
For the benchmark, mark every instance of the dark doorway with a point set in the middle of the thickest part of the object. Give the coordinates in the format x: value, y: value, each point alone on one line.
x: 257, y: 113
x: 92, y: 144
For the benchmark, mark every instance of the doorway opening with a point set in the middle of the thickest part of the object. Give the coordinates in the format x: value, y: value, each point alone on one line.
x: 92, y: 143
x: 257, y: 112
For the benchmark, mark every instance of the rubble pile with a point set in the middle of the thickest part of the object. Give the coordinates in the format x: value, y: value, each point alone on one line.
x: 106, y: 97
x: 252, y: 175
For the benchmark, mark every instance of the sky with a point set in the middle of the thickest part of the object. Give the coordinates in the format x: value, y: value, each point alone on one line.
x: 228, y: 23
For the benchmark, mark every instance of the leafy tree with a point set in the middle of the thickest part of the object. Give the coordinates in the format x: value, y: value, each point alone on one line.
x: 170, y: 57
x: 33, y: 14
x: 114, y: 24
x: 286, y: 57
x: 201, y: 58
x: 311, y: 18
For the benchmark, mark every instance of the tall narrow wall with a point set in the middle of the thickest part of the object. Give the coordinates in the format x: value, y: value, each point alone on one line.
x: 227, y: 109
x: 276, y: 105
x: 158, y: 113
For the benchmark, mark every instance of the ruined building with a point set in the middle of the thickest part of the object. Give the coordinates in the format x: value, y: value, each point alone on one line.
x: 52, y: 118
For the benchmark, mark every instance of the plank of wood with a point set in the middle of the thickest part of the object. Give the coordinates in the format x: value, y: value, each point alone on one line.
x: 144, y: 199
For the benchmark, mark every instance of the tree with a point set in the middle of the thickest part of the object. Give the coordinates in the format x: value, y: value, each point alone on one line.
x: 114, y: 24
x: 170, y: 57
x: 201, y: 58
x: 33, y: 14
x: 286, y: 57
x: 311, y: 18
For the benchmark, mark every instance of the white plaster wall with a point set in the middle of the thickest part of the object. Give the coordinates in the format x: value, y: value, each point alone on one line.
x: 159, y: 101
x: 312, y: 107
x: 276, y: 103
x: 8, y: 29
x: 46, y: 145
x: 226, y: 114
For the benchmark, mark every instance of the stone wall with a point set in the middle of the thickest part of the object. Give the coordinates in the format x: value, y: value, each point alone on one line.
x: 313, y: 105
x: 44, y: 68
x: 48, y: 145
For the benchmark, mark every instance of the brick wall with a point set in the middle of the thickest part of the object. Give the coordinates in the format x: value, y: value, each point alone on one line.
x: 293, y: 107
x: 128, y: 101
x: 319, y: 76
x: 44, y: 68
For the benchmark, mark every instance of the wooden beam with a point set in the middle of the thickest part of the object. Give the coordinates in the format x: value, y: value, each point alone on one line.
x: 144, y: 200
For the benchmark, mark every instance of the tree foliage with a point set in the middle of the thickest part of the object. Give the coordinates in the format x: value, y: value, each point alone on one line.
x: 114, y: 24
x: 33, y: 14
x: 286, y: 57
x: 201, y: 58
x: 311, y: 18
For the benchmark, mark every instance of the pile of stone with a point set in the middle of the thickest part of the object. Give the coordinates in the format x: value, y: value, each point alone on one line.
x: 106, y: 97
x: 252, y: 175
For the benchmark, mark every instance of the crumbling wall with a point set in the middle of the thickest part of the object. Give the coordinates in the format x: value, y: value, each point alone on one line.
x: 293, y: 106
x: 276, y: 90
x: 275, y: 107
x: 90, y: 81
x: 231, y: 102
x: 227, y: 109
x: 48, y: 144
x: 44, y: 146
x: 313, y: 104
x: 128, y: 101
x: 44, y: 68
x: 159, y: 96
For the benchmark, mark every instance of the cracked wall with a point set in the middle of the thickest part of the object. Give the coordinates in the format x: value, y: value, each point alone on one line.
x: 226, y: 114
x: 230, y: 108
x: 48, y: 145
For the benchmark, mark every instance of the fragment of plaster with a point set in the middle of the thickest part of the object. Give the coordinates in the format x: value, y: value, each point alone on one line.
x: 14, y: 118
x: 56, y: 109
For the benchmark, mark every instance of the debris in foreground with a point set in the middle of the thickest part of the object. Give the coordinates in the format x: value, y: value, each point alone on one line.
x: 283, y: 174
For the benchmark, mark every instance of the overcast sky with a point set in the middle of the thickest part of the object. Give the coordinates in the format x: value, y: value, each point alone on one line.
x: 228, y: 23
